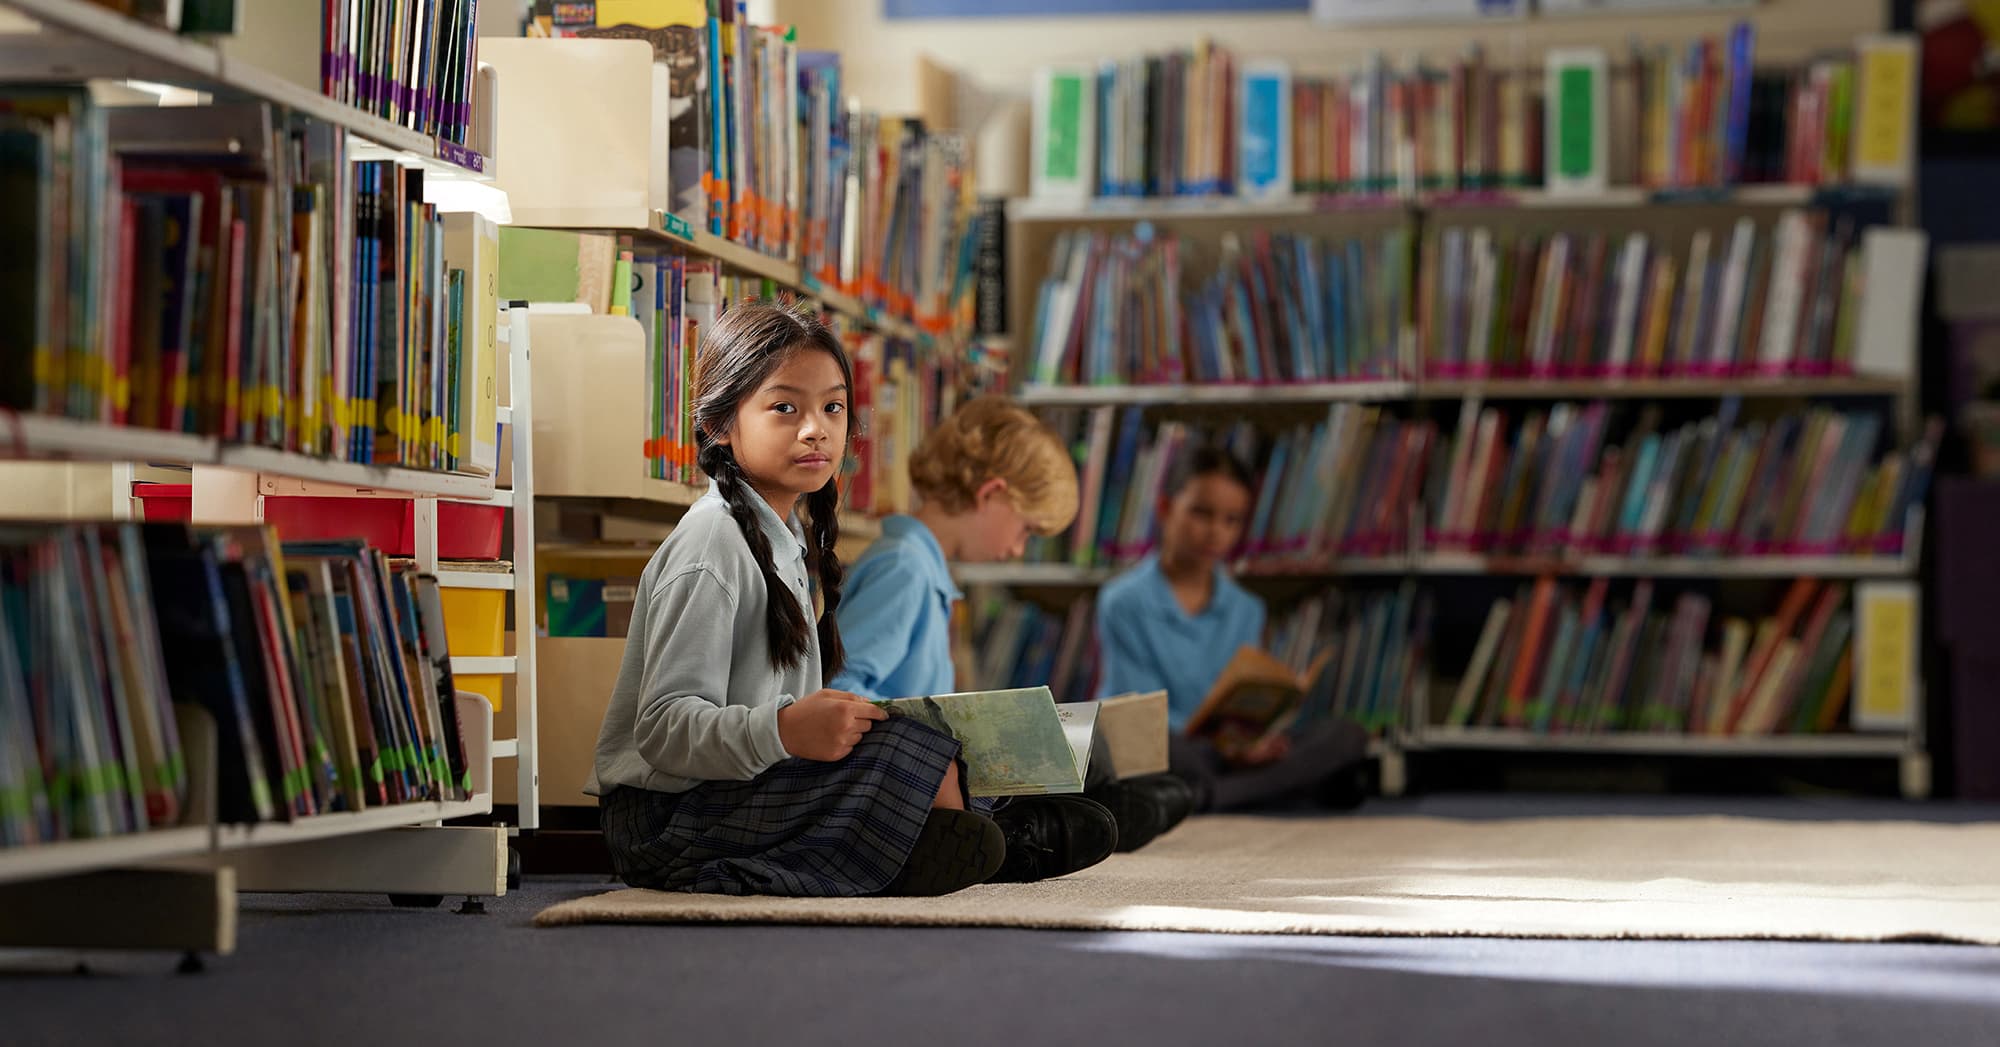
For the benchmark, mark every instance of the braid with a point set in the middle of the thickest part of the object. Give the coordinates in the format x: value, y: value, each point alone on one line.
x: 784, y: 620
x: 823, y: 507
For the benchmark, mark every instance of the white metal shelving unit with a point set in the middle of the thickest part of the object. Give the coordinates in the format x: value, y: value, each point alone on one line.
x: 174, y: 888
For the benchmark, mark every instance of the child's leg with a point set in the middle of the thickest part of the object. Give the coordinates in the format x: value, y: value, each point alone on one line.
x: 1329, y: 748
x: 802, y: 828
x: 950, y: 796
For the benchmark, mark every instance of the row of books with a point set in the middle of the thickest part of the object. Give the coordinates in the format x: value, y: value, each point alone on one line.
x: 1554, y: 657
x: 1559, y: 482
x: 323, y: 666
x: 1345, y: 486
x: 764, y: 149
x: 1710, y: 113
x: 1369, y: 648
x: 1360, y: 655
x: 227, y: 271
x: 1790, y: 297
x: 1562, y: 658
x: 1803, y: 483
x: 410, y: 62
x: 675, y: 299
x: 1284, y: 308
x: 1015, y: 643
x: 1122, y: 468
x: 1464, y: 126
x: 1201, y: 122
x: 1787, y: 299
x: 901, y: 389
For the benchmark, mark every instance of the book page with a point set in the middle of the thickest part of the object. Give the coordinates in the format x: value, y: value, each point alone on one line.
x: 1014, y: 740
x: 1079, y: 724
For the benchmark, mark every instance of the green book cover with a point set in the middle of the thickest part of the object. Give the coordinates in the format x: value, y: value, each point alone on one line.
x: 1015, y: 741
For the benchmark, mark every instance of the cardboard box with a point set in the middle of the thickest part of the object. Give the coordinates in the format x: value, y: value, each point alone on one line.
x: 573, y: 682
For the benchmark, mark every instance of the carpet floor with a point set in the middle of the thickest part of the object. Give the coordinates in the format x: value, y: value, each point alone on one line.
x: 341, y: 970
x: 1565, y: 877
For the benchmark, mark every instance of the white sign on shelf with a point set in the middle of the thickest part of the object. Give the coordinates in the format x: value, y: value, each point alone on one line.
x: 1415, y: 10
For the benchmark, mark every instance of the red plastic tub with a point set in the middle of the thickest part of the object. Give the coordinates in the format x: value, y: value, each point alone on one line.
x: 465, y: 532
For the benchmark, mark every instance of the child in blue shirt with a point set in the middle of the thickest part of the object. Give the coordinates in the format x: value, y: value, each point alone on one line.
x: 987, y: 478
x: 1174, y: 621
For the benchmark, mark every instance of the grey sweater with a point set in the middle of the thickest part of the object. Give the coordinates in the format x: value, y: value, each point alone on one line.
x: 697, y: 699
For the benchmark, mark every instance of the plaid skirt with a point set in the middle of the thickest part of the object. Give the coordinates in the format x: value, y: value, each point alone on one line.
x: 801, y: 829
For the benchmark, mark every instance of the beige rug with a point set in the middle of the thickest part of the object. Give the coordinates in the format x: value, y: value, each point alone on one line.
x: 1541, y: 878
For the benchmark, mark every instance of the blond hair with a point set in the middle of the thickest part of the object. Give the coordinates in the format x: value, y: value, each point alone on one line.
x: 991, y: 438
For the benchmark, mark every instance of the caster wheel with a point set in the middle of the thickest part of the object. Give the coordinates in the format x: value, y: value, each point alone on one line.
x: 513, y: 869
x: 416, y: 901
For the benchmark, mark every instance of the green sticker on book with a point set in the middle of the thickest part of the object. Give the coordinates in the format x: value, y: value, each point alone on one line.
x: 1576, y: 151
x: 1065, y: 118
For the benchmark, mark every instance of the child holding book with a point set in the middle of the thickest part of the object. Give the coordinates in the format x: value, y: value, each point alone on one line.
x: 722, y: 764
x: 986, y: 478
x: 1174, y: 622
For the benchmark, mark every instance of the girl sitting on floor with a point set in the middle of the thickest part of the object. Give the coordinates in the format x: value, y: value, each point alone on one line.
x: 1174, y: 621
x: 722, y: 764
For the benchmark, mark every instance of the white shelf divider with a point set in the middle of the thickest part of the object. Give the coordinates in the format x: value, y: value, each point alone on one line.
x: 450, y: 579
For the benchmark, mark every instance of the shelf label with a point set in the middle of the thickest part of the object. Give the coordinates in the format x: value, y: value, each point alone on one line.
x: 1885, y: 638
x: 675, y: 225
x: 452, y: 152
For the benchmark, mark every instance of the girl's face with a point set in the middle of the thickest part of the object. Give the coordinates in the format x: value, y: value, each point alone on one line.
x: 1204, y: 521
x: 791, y: 433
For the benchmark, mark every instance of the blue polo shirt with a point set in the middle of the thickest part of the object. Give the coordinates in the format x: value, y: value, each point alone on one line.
x: 1146, y: 642
x: 895, y: 616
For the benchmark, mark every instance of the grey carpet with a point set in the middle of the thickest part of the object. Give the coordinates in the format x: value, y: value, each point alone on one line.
x: 351, y: 970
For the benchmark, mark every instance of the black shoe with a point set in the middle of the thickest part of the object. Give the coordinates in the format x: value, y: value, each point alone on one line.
x: 1344, y: 789
x: 955, y: 850
x: 1145, y: 807
x: 1053, y: 836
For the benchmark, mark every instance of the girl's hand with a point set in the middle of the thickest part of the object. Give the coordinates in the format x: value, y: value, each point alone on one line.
x: 826, y: 725
x: 1266, y: 751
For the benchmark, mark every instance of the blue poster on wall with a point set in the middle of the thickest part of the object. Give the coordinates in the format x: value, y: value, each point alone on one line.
x: 1017, y: 8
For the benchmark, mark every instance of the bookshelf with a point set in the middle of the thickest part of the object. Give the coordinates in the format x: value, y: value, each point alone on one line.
x: 1447, y: 565
x: 95, y: 42
x: 591, y: 106
x: 174, y: 886
x: 1499, y: 740
x: 1748, y: 388
x: 31, y: 436
x: 383, y: 849
x: 518, y: 419
x: 1159, y: 208
x: 1105, y: 360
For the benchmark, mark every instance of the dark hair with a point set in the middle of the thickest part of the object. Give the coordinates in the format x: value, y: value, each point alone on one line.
x: 1209, y: 460
x: 738, y: 355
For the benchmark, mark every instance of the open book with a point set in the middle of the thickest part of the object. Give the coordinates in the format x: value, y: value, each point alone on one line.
x: 1255, y: 697
x: 1021, y: 743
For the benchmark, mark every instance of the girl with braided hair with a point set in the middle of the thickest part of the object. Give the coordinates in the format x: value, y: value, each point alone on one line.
x: 723, y: 765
